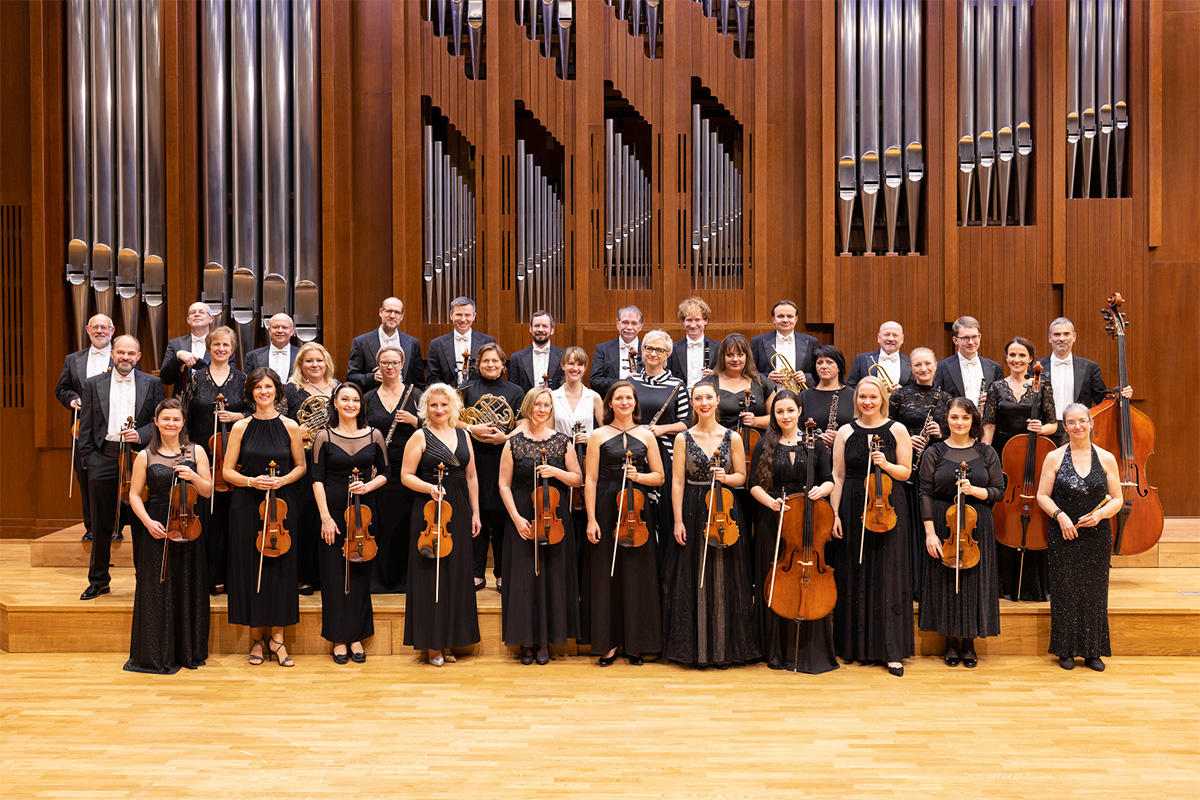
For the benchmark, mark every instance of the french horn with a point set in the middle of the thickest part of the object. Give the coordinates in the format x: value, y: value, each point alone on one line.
x: 488, y: 410
x: 314, y: 412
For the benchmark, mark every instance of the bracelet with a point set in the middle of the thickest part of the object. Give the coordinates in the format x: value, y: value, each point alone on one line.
x: 1057, y: 511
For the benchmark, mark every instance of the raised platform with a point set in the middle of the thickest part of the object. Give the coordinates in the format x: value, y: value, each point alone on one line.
x: 1151, y: 611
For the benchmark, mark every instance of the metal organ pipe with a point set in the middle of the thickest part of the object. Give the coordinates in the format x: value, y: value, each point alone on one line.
x: 1120, y: 78
x: 966, y: 106
x: 1005, y: 150
x: 847, y: 167
x: 277, y: 160
x: 214, y: 284
x: 893, y: 166
x: 914, y: 153
x: 1104, y: 94
x: 1074, y: 127
x: 77, y: 161
x: 985, y: 143
x: 244, y: 301
x: 1022, y: 48
x: 868, y: 116
x: 1087, y: 94
x: 129, y: 262
x: 103, y: 105
x: 306, y: 301
x: 154, y: 275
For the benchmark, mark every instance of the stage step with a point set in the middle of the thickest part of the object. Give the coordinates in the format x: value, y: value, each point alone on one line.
x: 1150, y: 613
x: 66, y: 548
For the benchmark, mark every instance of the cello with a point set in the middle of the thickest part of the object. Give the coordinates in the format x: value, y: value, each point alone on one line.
x: 1020, y: 523
x: 216, y: 446
x: 961, y: 519
x: 435, y: 541
x: 547, y: 527
x: 273, y: 540
x: 878, y: 514
x: 360, y: 544
x: 802, y: 585
x: 721, y: 530
x: 631, y: 530
x: 183, y: 523
x: 1129, y: 435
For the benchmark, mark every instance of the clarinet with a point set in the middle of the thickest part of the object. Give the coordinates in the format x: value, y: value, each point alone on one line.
x: 833, y: 409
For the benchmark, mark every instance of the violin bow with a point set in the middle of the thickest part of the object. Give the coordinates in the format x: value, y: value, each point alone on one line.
x: 958, y: 523
x: 345, y: 549
x: 862, y: 540
x: 162, y: 572
x: 74, y: 440
x: 704, y: 537
x: 437, y: 583
x: 537, y: 517
x: 778, y: 538
x: 617, y: 530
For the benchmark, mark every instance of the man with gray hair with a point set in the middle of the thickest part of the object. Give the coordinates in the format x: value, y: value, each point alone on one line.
x: 1075, y: 379
x: 616, y: 359
x: 185, y: 352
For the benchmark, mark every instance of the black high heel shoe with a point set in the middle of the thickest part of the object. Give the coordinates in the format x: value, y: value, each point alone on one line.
x: 543, y: 656
x: 275, y: 647
x: 341, y: 658
x: 969, y: 659
x: 256, y: 659
x: 526, y: 655
x: 951, y: 656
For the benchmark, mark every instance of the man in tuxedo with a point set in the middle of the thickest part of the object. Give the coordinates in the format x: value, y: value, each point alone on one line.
x: 693, y: 356
x: 798, y: 348
x: 184, y: 352
x: 109, y: 399
x: 280, y: 354
x: 446, y: 351
x: 610, y: 362
x: 527, y: 367
x: 1074, y: 379
x: 77, y: 368
x: 362, y: 368
x: 966, y: 373
x: 895, y: 364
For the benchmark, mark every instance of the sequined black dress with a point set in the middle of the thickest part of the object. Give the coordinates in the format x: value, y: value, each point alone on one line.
x: 394, y: 500
x: 711, y: 625
x: 539, y: 609
x: 170, y: 619
x: 1079, y: 568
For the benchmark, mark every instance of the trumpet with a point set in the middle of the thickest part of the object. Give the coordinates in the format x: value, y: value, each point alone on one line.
x: 792, y: 380
x: 879, y: 373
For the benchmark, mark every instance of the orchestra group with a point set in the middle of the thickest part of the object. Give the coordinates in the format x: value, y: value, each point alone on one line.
x: 708, y: 503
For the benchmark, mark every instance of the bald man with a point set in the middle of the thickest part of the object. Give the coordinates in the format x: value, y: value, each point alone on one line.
x: 280, y: 354
x: 363, y: 349
x: 185, y: 352
x: 77, y: 368
x: 888, y: 356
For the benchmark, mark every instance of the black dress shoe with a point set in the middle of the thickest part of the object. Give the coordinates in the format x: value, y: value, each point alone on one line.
x: 607, y: 661
x: 897, y: 671
x: 526, y: 655
x: 636, y: 661
x: 341, y: 658
x: 1094, y: 663
x: 87, y: 536
x: 118, y: 537
x: 543, y: 656
x: 93, y: 591
x: 951, y: 656
x: 1066, y: 662
x: 970, y: 660
x: 480, y: 583
x: 306, y: 591
x: 358, y: 658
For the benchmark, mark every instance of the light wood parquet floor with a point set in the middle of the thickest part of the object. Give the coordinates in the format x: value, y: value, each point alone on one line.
x: 78, y: 726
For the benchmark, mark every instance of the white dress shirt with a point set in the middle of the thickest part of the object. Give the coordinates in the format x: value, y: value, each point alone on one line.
x: 280, y: 361
x: 1062, y: 378
x: 786, y: 347
x: 122, y: 402
x: 890, y: 364
x: 972, y: 376
x: 98, y: 360
x: 462, y: 344
x: 623, y: 349
x: 541, y: 364
x: 198, y: 347
x: 696, y: 363
x: 565, y: 416
x: 385, y: 340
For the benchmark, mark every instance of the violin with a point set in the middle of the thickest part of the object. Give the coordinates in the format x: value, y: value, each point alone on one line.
x: 216, y: 446
x: 878, y: 514
x: 961, y: 518
x: 547, y: 527
x: 435, y: 541
x: 802, y: 584
x: 183, y: 524
x: 359, y: 545
x: 721, y: 530
x: 273, y: 540
x: 124, y: 465
x: 1129, y: 435
x: 631, y: 529
x: 750, y: 435
x: 577, y: 494
x: 1020, y: 522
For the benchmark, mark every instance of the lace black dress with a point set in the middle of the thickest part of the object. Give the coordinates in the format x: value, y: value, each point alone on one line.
x: 437, y: 619
x: 873, y: 620
x: 624, y: 607
x: 306, y: 538
x: 276, y: 605
x: 394, y: 500
x: 1079, y: 568
x: 974, y: 611
x: 1010, y: 416
x: 345, y: 617
x: 170, y: 619
x: 910, y: 406
x: 199, y: 400
x: 729, y: 410
x: 539, y: 609
x: 711, y: 626
x: 785, y: 644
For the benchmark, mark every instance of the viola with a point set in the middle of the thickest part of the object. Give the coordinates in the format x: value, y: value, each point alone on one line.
x: 1129, y: 435
x: 547, y: 527
x: 577, y: 494
x: 960, y: 550
x: 750, y: 435
x: 124, y: 465
x: 359, y: 545
x: 273, y: 540
x: 435, y: 541
x: 1020, y: 522
x: 183, y: 523
x: 878, y: 514
x: 216, y: 446
x: 721, y: 530
x: 802, y: 585
x: 631, y: 529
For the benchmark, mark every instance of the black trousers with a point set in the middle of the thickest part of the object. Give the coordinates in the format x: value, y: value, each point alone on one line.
x: 102, y: 494
x: 81, y: 476
x: 491, y: 530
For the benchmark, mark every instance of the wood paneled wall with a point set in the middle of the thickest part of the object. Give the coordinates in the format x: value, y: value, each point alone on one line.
x: 379, y: 59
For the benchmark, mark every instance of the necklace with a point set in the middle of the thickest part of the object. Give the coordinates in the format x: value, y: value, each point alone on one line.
x: 317, y: 389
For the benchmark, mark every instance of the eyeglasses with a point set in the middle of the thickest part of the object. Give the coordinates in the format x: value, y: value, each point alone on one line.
x: 654, y: 351
x: 390, y: 364
x: 974, y: 338
x: 1077, y: 423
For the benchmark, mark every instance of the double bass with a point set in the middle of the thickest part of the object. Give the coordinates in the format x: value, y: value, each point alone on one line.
x: 1020, y: 523
x: 1129, y: 435
x: 721, y: 530
x: 878, y: 514
x: 802, y: 586
x: 547, y: 527
x: 183, y: 523
x: 960, y: 550
x: 360, y: 544
x: 631, y: 529
x: 273, y: 540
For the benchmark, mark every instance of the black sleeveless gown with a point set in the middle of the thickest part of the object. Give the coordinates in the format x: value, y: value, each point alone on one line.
x: 170, y: 619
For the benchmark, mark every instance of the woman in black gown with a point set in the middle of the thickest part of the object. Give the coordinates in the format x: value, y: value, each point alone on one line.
x: 780, y: 467
x: 873, y: 621
x: 1075, y: 481
x: 170, y: 602
x: 830, y: 403
x: 265, y: 436
x: 921, y: 408
x: 970, y: 609
x: 622, y: 582
x: 350, y: 444
x: 1009, y: 412
x: 208, y: 382
x: 489, y: 445
x: 391, y: 410
x: 540, y: 595
x: 709, y: 625
x: 312, y: 376
x: 440, y: 613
